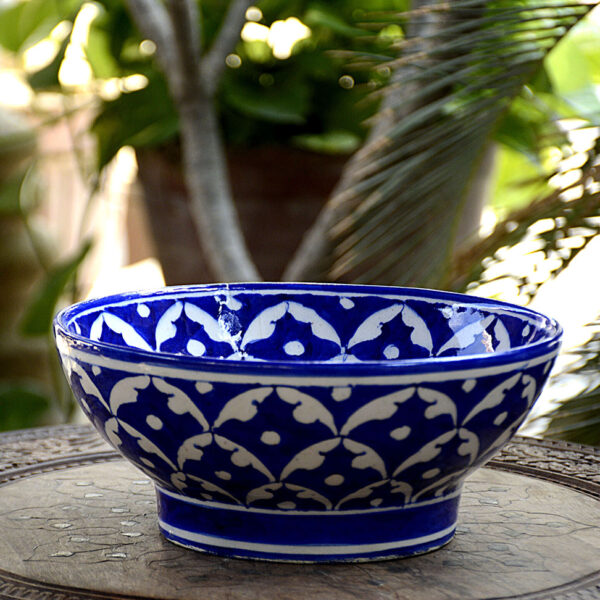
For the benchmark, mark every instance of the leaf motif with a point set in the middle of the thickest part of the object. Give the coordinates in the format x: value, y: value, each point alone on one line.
x: 420, y: 335
x: 310, y: 458
x: 508, y: 432
x: 126, y: 390
x: 179, y: 402
x: 470, y: 445
x: 209, y: 486
x: 529, y: 391
x: 111, y: 429
x: 130, y: 336
x: 241, y: 457
x: 319, y: 326
x: 242, y: 407
x: 402, y: 487
x: 440, y: 484
x: 441, y: 404
x: 192, y: 448
x: 165, y: 328
x: 96, y: 328
x: 178, y: 480
x: 146, y: 444
x: 308, y: 409
x: 363, y: 492
x: 263, y: 325
x: 88, y: 386
x: 370, y: 328
x: 502, y: 336
x: 344, y: 358
x: 304, y: 492
x: 427, y: 453
x: 465, y: 336
x: 366, y: 457
x: 379, y: 409
x: 494, y: 398
x: 264, y: 492
x: 211, y: 326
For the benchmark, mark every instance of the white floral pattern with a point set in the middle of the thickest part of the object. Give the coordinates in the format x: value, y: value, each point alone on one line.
x: 265, y: 445
x: 307, y: 326
x: 300, y: 400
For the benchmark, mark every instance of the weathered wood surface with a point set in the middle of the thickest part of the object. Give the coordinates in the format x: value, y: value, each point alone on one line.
x: 77, y: 522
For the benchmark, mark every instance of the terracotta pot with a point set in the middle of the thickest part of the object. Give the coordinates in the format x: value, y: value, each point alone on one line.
x: 278, y: 193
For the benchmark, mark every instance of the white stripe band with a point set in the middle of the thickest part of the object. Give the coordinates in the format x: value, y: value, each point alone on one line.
x: 286, y: 549
x: 325, y: 381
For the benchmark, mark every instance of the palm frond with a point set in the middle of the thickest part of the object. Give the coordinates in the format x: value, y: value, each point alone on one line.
x: 559, y: 225
x: 394, y: 217
x: 577, y: 420
x: 574, y: 391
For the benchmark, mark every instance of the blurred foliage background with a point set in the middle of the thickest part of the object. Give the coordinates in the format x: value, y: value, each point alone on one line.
x: 308, y: 78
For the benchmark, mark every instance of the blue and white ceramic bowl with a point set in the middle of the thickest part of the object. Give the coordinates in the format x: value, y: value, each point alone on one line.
x: 306, y: 422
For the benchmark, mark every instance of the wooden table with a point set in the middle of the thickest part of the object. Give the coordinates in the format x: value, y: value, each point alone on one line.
x: 78, y: 522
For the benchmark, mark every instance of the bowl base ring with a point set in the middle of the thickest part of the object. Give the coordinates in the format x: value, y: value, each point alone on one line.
x: 307, y: 536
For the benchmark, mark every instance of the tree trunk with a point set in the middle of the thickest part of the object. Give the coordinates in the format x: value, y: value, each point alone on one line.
x: 192, y: 77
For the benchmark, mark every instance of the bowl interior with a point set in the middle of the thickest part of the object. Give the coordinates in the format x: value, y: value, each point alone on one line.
x: 303, y: 323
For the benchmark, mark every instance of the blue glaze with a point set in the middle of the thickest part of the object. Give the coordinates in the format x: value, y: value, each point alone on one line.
x: 303, y: 536
x: 328, y: 404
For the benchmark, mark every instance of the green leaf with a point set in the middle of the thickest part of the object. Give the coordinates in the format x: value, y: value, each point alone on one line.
x: 140, y: 119
x: 98, y: 53
x: 575, y: 63
x: 569, y: 224
x: 518, y: 179
x: 586, y: 103
x: 541, y: 82
x: 319, y: 16
x: 577, y: 420
x: 26, y: 22
x: 9, y: 196
x: 285, y: 103
x: 21, y: 193
x: 22, y: 405
x: 526, y: 123
x: 396, y: 218
x: 520, y: 135
x: 258, y: 51
x: 113, y: 43
x: 38, y: 316
x: 576, y: 417
x: 332, y: 142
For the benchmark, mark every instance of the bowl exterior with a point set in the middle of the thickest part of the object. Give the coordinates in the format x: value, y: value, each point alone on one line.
x: 299, y: 465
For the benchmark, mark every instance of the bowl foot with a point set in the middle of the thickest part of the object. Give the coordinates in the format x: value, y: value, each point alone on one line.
x: 307, y: 536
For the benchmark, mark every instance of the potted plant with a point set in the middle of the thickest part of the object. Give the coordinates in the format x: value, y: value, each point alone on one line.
x: 447, y: 79
x: 275, y: 101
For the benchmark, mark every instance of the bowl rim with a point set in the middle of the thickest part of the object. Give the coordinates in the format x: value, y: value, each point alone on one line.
x: 546, y: 346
